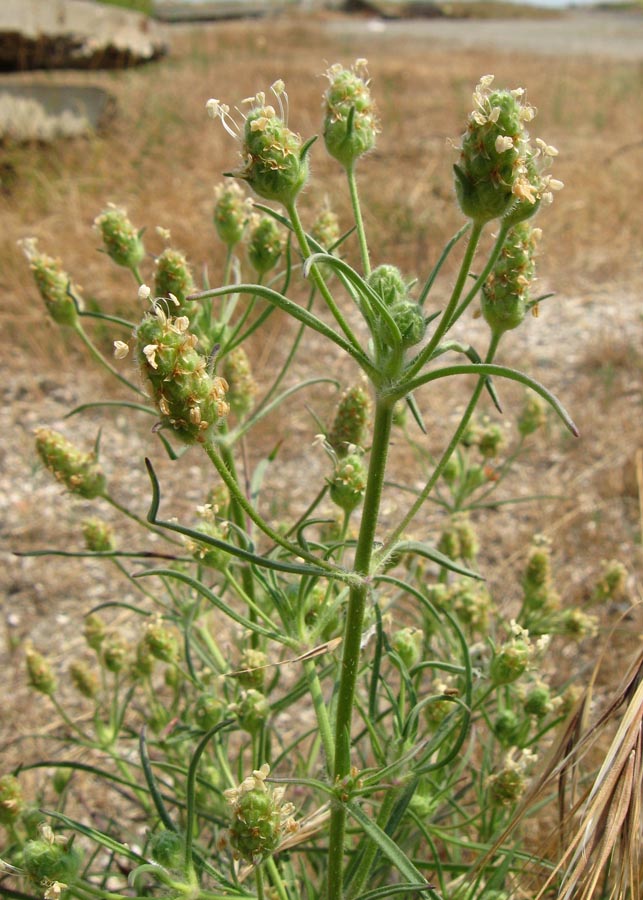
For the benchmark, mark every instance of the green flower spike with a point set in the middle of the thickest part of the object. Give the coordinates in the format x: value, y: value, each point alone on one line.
x: 260, y: 818
x: 275, y: 158
x: 191, y: 400
x: 231, y: 212
x: 53, y: 283
x: 173, y: 276
x: 505, y: 293
x: 11, y: 800
x: 265, y: 245
x: 121, y: 240
x: 350, y: 119
x: 242, y: 387
x: 352, y: 417
x: 499, y: 172
x: 79, y: 472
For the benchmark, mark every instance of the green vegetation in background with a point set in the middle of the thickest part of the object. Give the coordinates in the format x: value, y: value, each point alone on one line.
x: 143, y: 6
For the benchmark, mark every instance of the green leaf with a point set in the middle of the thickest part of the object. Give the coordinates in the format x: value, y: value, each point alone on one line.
x: 419, y: 548
x: 388, y: 847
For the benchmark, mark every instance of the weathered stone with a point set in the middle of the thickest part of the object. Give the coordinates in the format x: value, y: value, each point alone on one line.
x: 43, y: 112
x: 74, y: 34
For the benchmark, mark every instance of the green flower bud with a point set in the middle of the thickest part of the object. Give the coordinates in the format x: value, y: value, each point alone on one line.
x: 387, y: 282
x: 538, y: 568
x: 451, y: 470
x: 449, y: 543
x: 350, y: 120
x: 510, y: 661
x: 41, y: 678
x: 11, y: 800
x: 94, y: 631
x: 259, y: 817
x: 611, y: 582
x: 173, y: 276
x: 84, y: 680
x: 407, y: 643
x: 265, y: 245
x: 99, y: 535
x: 348, y: 484
x: 436, y: 712
x: 538, y: 701
x: 533, y: 415
x: 208, y: 711
x: 507, y: 728
x: 190, y: 400
x: 252, y: 669
x: 79, y: 472
x: 325, y: 229
x: 114, y: 654
x: 252, y: 710
x: 231, y: 212
x: 213, y: 557
x: 505, y: 293
x: 467, y: 538
x: 61, y: 779
x: 577, y: 625
x: 242, y: 387
x: 161, y: 641
x: 166, y: 849
x: 506, y: 787
x: 53, y: 283
x: 410, y: 319
x: 352, y: 418
x: 46, y: 861
x: 121, y: 240
x: 472, y: 607
x: 490, y: 440
x: 143, y: 664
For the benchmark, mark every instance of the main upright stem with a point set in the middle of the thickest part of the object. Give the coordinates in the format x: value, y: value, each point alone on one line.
x: 353, y: 638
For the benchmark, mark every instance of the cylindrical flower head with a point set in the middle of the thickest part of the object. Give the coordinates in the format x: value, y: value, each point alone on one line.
x: 11, y: 800
x: 161, y: 642
x: 208, y: 711
x: 533, y: 415
x: 231, y: 212
x: 121, y: 240
x: 275, y: 167
x: 84, y: 680
x: 505, y: 293
x: 78, y: 471
x: 53, y: 283
x: 348, y: 484
x: 99, y: 535
x: 410, y: 319
x: 242, y: 387
x: 507, y: 787
x: 46, y: 861
x: 350, y: 120
x: 114, y: 654
x: 350, y: 425
x: 489, y: 176
x: 259, y: 817
x: 94, y: 631
x: 265, y: 245
x: 41, y: 678
x: 190, y: 400
x: 510, y: 662
x: 173, y: 276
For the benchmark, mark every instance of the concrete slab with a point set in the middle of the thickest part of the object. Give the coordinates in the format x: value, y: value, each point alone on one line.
x: 78, y: 34
x: 44, y: 112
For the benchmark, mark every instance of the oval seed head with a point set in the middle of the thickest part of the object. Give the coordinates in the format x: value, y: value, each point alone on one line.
x: 231, y: 212
x: 53, y: 283
x: 161, y: 642
x: 506, y: 787
x: 505, y: 293
x: 94, y: 631
x: 11, y: 800
x: 242, y: 387
x: 122, y: 242
x: 174, y: 276
x: 507, y: 728
x: 348, y: 484
x: 166, y: 849
x: 407, y: 643
x: 78, y: 471
x: 212, y: 527
x: 611, y: 583
x: 260, y: 818
x: 84, y: 680
x: 252, y: 710
x: 189, y: 399
x: 46, y: 861
x: 510, y: 661
x: 99, y: 535
x: 265, y: 245
x: 533, y: 415
x: 352, y: 418
x: 208, y: 711
x: 114, y: 654
x: 538, y: 701
x: 41, y: 677
x: 493, y: 150
x: 350, y: 119
x: 276, y: 162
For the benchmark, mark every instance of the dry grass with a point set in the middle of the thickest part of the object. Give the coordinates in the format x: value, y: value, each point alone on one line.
x: 160, y: 157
